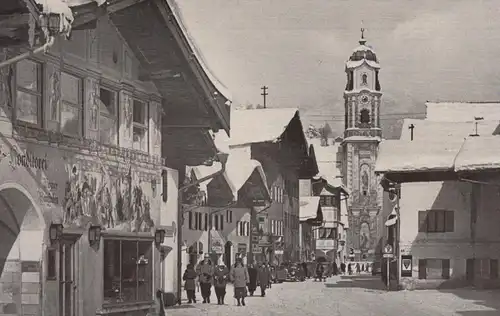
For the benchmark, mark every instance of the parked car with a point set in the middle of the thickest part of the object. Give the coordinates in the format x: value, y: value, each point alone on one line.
x: 281, y: 273
x: 296, y: 273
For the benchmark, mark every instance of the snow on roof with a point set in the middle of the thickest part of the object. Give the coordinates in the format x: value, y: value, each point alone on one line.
x: 259, y: 125
x: 354, y: 64
x: 239, y: 168
x: 426, y: 130
x: 308, y: 207
x: 363, y: 48
x: 462, y: 111
x: 417, y: 155
x: 326, y: 158
x: 479, y: 153
x: 177, y: 12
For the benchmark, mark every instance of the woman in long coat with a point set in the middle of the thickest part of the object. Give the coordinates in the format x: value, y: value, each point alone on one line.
x: 221, y: 276
x: 205, y: 277
x: 190, y: 283
x: 239, y: 277
x: 252, y: 281
x: 263, y: 279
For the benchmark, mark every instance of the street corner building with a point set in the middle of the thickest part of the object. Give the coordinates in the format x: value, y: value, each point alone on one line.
x: 86, y: 199
x: 440, y: 204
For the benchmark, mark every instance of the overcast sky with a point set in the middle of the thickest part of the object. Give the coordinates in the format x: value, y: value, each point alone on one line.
x: 428, y: 50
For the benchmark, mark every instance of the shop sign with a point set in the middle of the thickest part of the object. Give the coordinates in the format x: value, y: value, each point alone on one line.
x: 216, y: 243
x: 28, y: 160
x: 242, y: 248
x: 406, y: 266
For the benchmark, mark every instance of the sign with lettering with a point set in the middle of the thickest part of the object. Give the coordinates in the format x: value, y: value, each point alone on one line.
x: 406, y: 265
x: 28, y: 160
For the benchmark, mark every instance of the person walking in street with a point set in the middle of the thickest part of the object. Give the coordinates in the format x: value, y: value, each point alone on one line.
x: 240, y: 278
x: 358, y: 268
x: 205, y: 276
x: 349, y: 269
x: 269, y: 284
x: 342, y: 268
x: 252, y: 279
x: 221, y: 276
x: 189, y: 278
x: 263, y: 279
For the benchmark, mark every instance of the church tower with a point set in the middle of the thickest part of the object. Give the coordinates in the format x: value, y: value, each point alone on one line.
x: 362, y: 136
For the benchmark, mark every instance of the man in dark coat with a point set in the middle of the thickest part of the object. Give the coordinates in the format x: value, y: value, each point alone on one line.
x: 264, y: 275
x: 205, y: 276
x: 252, y: 276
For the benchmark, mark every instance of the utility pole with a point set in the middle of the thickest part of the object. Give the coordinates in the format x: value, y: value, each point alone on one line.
x: 411, y: 127
x: 264, y: 94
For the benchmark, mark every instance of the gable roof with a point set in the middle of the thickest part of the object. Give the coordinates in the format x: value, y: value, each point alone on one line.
x: 479, y: 154
x: 462, y: 111
x: 427, y: 130
x: 259, y: 125
x: 326, y: 158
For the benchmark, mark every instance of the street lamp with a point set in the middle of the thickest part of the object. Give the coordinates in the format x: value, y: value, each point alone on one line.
x: 159, y: 236
x: 94, y: 234
x: 55, y: 232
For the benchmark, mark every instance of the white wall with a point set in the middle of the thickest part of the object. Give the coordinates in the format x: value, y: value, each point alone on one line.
x: 168, y: 216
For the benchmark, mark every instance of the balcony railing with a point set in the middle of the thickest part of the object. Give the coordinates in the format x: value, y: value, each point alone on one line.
x: 326, y: 244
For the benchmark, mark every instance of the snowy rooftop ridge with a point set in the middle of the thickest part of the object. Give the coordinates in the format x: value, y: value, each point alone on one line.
x: 363, y: 48
x: 357, y: 63
x: 308, y: 207
x: 427, y: 129
x: 488, y: 159
x: 259, y: 125
x: 456, y: 111
x: 177, y: 12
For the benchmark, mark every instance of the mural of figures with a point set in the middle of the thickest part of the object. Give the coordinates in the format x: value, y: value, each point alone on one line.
x: 365, y: 179
x: 115, y: 204
x: 364, y: 236
x: 55, y: 95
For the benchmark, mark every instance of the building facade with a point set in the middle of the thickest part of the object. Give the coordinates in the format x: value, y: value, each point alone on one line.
x: 359, y: 148
x: 82, y: 157
x: 445, y: 203
x: 81, y: 147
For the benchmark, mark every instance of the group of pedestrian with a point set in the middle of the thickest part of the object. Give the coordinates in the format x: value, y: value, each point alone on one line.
x: 242, y: 277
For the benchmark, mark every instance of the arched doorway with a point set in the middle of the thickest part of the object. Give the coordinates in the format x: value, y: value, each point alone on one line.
x: 21, y: 233
x: 228, y: 249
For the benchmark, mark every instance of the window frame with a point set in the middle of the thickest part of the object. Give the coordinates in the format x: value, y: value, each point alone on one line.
x: 115, y: 141
x: 151, y: 248
x: 39, y: 94
x: 428, y: 221
x: 144, y: 126
x: 81, y: 101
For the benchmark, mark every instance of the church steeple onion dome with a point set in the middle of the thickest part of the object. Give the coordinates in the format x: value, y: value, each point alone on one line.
x: 363, y: 54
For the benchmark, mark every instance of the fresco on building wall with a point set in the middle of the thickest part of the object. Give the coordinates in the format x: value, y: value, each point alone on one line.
x: 5, y: 89
x: 118, y: 203
x: 364, y: 237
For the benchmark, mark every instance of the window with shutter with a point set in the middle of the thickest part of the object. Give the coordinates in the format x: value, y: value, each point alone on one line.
x: 190, y: 220
x: 493, y: 269
x: 422, y: 269
x: 200, y: 222
x: 449, y: 221
x: 221, y: 222
x: 446, y: 268
x: 469, y: 269
x: 422, y: 221
x: 431, y: 221
x: 216, y: 222
x: 195, y: 221
x: 206, y: 222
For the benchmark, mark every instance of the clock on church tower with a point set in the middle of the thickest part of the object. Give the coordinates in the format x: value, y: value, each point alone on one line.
x: 362, y: 135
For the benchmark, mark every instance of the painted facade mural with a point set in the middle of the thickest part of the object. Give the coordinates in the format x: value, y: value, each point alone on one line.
x: 113, y: 202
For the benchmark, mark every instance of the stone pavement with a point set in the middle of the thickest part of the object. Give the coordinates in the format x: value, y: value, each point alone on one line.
x: 357, y: 296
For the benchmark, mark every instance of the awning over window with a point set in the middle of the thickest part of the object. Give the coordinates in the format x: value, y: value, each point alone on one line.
x: 309, y: 207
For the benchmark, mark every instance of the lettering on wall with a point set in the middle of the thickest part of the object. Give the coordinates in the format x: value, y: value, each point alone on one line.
x: 28, y: 160
x: 48, y: 194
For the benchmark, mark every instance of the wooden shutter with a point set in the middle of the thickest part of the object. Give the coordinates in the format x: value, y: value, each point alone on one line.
x: 190, y: 220
x: 445, y: 266
x: 493, y: 269
x: 449, y: 221
x: 216, y: 222
x: 469, y: 269
x: 221, y: 222
x: 422, y: 221
x: 206, y: 222
x: 422, y: 269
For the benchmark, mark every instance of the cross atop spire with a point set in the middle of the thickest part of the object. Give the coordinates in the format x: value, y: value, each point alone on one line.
x: 362, y: 41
